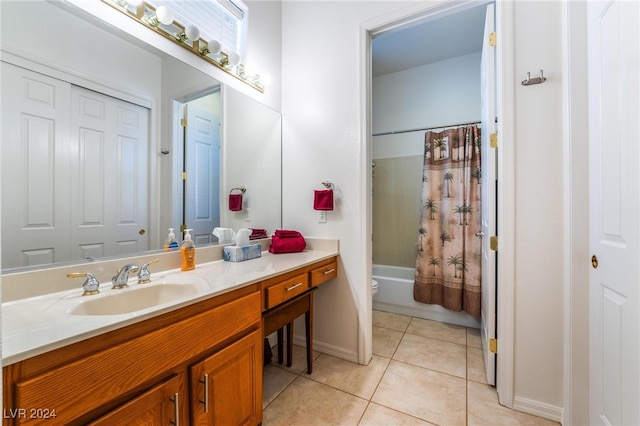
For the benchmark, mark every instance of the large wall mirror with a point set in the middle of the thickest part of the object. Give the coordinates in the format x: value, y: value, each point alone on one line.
x: 97, y: 129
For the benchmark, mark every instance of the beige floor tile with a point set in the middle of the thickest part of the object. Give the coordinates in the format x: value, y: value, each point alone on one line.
x: 356, y: 379
x: 385, y: 341
x: 476, y: 370
x: 434, y: 397
x: 445, y: 357
x: 306, y: 402
x: 275, y: 380
x: 390, y: 320
x: 484, y: 409
x: 473, y: 337
x: 438, y: 330
x: 377, y: 415
x: 299, y: 363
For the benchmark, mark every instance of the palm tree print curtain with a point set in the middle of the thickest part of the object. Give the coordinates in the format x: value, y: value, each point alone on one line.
x: 448, y: 265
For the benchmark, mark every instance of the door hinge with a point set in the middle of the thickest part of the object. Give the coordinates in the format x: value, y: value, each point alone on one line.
x: 493, y: 346
x: 493, y: 140
x: 492, y: 39
x: 493, y: 243
x: 184, y: 175
x: 183, y: 122
x: 183, y: 228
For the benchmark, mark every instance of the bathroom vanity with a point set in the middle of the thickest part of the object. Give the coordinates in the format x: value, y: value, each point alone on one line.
x: 198, y: 361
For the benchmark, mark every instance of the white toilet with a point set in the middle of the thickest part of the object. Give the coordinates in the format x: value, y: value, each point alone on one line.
x: 374, y: 287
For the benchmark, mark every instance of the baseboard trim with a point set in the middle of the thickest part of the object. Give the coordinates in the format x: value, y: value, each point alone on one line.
x: 537, y: 408
x: 328, y: 349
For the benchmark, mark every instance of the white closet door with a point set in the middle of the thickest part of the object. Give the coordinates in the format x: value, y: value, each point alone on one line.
x: 614, y: 155
x: 110, y: 149
x: 35, y: 168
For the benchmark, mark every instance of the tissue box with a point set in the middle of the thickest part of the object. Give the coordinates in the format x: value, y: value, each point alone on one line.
x: 239, y: 254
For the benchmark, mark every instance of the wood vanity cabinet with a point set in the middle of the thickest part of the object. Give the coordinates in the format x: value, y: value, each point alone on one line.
x: 149, y: 372
x: 200, y: 364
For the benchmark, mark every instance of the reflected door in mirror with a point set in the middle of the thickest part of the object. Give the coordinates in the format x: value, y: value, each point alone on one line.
x: 58, y: 140
x: 202, y: 154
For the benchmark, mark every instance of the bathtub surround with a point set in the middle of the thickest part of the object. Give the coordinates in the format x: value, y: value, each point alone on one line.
x: 448, y: 267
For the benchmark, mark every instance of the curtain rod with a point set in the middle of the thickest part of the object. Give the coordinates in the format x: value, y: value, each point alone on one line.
x: 394, y: 132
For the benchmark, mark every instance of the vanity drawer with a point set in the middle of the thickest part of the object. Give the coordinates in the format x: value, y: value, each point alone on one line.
x: 285, y: 290
x: 323, y: 273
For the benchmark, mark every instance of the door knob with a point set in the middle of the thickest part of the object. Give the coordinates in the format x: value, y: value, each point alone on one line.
x: 594, y: 261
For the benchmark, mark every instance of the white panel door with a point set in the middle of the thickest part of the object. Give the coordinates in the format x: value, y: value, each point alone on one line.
x: 614, y: 141
x: 202, y: 201
x: 110, y: 150
x: 488, y: 320
x: 35, y: 168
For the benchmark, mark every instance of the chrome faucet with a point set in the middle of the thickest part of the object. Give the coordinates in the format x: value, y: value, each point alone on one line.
x: 90, y: 285
x: 144, y: 276
x: 121, y: 277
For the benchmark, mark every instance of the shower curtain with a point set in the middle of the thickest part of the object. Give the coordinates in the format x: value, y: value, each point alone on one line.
x: 449, y: 259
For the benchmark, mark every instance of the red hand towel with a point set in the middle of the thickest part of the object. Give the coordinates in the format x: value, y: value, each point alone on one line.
x: 323, y: 199
x: 235, y: 202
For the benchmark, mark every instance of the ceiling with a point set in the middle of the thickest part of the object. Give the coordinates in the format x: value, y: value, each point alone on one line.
x: 427, y: 42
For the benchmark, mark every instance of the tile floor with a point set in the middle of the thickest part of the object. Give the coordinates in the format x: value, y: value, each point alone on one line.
x: 422, y: 373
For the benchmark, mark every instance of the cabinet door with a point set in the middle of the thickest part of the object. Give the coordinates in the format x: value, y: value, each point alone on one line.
x: 157, y: 406
x: 226, y: 388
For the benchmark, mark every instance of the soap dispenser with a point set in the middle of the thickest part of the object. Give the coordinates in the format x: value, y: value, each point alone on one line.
x: 188, y: 252
x: 171, y: 243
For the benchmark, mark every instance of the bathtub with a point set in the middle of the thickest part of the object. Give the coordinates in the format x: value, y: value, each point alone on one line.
x: 395, y: 294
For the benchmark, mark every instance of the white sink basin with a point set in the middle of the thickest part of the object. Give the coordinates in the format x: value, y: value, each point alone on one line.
x: 134, y: 299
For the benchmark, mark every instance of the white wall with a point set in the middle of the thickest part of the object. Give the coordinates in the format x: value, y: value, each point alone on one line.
x: 323, y: 140
x: 445, y: 92
x: 539, y: 205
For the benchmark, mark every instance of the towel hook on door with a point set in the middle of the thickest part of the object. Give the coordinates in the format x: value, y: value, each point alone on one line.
x: 536, y: 80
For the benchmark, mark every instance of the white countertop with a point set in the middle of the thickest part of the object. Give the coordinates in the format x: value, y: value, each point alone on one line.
x: 39, y: 324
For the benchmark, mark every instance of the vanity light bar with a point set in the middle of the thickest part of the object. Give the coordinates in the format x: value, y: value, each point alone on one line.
x: 145, y: 14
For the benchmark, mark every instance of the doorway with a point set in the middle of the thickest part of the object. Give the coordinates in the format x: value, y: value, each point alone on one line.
x: 197, y: 176
x: 504, y: 381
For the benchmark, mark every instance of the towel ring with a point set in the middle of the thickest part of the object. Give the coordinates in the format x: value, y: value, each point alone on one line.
x: 327, y: 184
x: 241, y: 189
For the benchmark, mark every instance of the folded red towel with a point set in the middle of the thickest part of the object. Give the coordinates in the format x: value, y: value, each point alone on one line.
x: 235, y: 202
x: 257, y: 233
x: 323, y: 199
x: 286, y: 233
x: 287, y: 241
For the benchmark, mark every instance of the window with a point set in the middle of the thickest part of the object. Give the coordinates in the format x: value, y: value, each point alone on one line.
x: 222, y: 20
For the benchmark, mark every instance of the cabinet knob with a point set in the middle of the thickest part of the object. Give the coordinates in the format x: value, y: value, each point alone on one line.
x: 594, y: 261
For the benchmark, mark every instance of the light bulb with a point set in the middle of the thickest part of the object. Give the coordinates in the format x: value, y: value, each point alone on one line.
x: 134, y: 3
x: 164, y: 15
x: 234, y: 58
x: 192, y: 32
x: 214, y: 47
